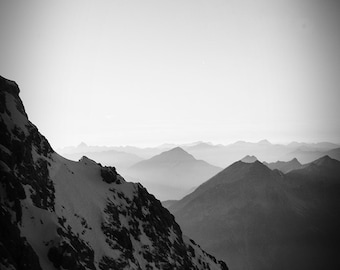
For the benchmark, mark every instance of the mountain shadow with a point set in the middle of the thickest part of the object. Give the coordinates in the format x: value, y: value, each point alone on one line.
x: 257, y: 218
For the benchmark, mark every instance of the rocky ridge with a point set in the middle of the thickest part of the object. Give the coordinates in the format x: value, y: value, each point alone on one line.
x: 60, y: 214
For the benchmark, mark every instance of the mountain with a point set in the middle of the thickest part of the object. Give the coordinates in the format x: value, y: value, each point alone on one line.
x: 221, y: 155
x: 256, y: 218
x: 284, y: 166
x: 225, y: 155
x: 83, y: 148
x: 307, y: 155
x: 60, y: 214
x: 172, y: 174
x: 120, y: 160
x: 334, y: 153
x: 322, y: 146
x: 322, y: 168
x: 249, y: 159
x: 143, y: 153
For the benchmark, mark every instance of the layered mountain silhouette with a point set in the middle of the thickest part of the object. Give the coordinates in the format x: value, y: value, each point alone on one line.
x: 249, y: 159
x: 284, y: 166
x: 307, y: 155
x: 119, y: 159
x: 60, y: 214
x: 172, y: 174
x: 217, y: 155
x: 257, y: 218
x: 144, y: 153
x: 225, y: 155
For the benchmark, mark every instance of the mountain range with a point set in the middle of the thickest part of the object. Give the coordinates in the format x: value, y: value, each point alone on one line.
x: 222, y: 155
x: 284, y: 166
x: 171, y: 174
x: 258, y: 218
x: 60, y: 214
x: 120, y: 160
x: 225, y: 155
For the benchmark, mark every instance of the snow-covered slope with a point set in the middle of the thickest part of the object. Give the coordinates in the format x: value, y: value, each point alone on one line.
x: 60, y: 214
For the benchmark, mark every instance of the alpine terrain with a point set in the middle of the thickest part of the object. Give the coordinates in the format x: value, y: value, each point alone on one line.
x: 258, y: 218
x: 60, y: 214
x: 284, y: 166
x: 172, y: 174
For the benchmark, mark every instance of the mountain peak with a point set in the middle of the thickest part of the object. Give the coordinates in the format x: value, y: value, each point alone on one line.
x: 176, y: 153
x: 238, y: 170
x: 264, y: 142
x: 325, y: 161
x: 82, y: 145
x: 85, y: 160
x: 9, y: 86
x: 177, y: 149
x: 295, y: 161
x: 249, y: 159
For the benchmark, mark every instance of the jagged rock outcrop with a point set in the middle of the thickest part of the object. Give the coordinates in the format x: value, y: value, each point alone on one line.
x: 60, y: 214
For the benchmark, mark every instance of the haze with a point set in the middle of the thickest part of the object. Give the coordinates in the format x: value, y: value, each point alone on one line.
x: 149, y: 72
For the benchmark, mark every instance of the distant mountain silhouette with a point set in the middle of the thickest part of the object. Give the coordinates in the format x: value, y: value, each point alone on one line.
x: 284, y: 166
x: 171, y: 174
x: 256, y: 218
x: 225, y: 155
x: 249, y: 159
x: 322, y: 146
x: 118, y: 159
x: 307, y: 155
x: 320, y: 169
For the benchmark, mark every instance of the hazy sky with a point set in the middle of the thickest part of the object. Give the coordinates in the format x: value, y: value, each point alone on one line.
x: 147, y: 72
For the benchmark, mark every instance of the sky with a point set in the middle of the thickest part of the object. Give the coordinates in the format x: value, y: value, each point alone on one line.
x: 150, y: 72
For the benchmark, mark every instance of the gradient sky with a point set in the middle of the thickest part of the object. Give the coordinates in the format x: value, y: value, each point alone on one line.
x: 149, y: 72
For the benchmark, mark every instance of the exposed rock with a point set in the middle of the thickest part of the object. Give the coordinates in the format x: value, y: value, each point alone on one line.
x: 56, y: 213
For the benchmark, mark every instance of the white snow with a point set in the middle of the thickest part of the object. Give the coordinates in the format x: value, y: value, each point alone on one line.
x: 17, y: 119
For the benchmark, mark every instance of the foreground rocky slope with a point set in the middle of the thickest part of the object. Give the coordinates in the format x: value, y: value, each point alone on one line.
x: 60, y: 214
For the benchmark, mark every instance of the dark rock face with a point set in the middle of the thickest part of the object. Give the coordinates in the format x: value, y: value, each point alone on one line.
x: 15, y: 251
x: 18, y: 168
x: 109, y: 174
x: 56, y: 213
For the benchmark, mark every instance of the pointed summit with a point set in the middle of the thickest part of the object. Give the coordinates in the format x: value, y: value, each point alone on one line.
x: 249, y: 159
x: 322, y: 168
x: 326, y: 161
x: 236, y: 172
x: 177, y: 150
x: 82, y: 145
x: 171, y: 174
x: 285, y: 166
x: 247, y: 204
x: 174, y: 154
